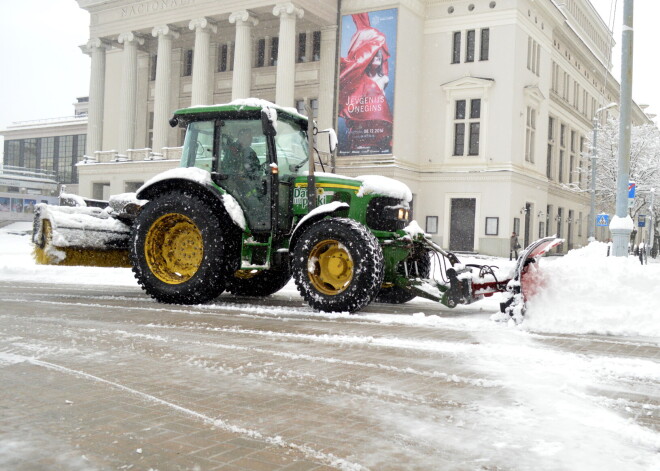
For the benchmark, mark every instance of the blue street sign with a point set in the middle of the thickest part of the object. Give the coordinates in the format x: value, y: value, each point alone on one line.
x: 641, y: 220
x: 631, y: 189
x: 603, y: 220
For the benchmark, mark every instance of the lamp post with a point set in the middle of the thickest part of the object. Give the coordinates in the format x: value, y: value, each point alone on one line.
x: 594, y: 160
x: 622, y: 229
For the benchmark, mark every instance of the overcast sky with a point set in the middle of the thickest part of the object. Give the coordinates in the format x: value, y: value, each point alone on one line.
x: 43, y: 69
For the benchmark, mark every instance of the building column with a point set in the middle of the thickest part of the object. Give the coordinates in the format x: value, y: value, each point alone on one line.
x: 127, y: 110
x: 162, y: 106
x: 242, y: 75
x: 326, y: 117
x: 96, y: 48
x: 201, y: 73
x: 286, y: 56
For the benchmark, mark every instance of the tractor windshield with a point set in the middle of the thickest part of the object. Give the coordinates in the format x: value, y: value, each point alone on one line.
x: 198, y: 145
x: 292, y: 148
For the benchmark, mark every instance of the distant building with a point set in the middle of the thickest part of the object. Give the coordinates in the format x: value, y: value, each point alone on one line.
x: 482, y: 107
x: 50, y: 146
x: 21, y: 190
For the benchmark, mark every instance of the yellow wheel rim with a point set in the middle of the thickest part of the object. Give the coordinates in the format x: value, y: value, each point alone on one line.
x: 174, y: 248
x: 246, y: 274
x: 330, y: 267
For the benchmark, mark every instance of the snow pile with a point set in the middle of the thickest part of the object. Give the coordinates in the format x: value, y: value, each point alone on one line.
x: 588, y: 292
x: 384, y: 186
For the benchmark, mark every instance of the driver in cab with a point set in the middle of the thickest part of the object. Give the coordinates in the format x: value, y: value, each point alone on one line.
x: 247, y: 155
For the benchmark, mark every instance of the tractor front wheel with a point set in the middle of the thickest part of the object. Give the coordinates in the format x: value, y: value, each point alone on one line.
x: 181, y: 251
x: 338, y: 265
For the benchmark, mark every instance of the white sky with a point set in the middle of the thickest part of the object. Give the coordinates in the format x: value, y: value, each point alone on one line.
x: 43, y: 69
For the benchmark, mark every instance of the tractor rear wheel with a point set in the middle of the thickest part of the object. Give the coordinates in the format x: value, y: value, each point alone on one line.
x: 258, y: 283
x: 338, y: 265
x: 181, y: 250
x: 418, y: 265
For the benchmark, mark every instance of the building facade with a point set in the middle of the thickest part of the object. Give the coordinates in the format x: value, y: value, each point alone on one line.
x: 49, y: 147
x: 482, y: 107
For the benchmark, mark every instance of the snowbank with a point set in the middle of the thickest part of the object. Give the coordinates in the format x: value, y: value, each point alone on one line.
x: 588, y: 292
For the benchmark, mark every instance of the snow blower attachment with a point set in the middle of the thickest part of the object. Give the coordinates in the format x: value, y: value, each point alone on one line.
x: 84, y: 235
x: 246, y: 211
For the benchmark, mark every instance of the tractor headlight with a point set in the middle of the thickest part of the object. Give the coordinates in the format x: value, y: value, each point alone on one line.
x: 403, y: 214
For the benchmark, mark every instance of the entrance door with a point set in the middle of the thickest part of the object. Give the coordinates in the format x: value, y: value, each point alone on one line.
x: 461, y: 229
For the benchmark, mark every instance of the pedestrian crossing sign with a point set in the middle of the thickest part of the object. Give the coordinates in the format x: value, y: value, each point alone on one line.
x: 603, y: 220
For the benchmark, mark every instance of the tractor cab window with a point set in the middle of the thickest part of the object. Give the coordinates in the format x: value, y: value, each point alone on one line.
x: 242, y: 148
x: 292, y: 149
x: 198, y: 145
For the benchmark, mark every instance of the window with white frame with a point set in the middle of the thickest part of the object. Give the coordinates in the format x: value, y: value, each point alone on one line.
x: 467, y: 123
x: 431, y: 224
x: 533, y: 56
x: 477, y: 45
x: 562, y: 153
x: 551, y: 147
x: 530, y: 134
x: 571, y: 164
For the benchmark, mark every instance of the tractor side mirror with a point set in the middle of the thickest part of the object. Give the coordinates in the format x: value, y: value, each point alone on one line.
x: 269, y: 121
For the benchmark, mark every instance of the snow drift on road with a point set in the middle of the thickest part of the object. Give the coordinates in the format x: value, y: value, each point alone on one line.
x: 588, y: 292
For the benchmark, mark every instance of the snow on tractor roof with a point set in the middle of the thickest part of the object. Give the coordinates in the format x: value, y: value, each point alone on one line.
x: 244, y: 104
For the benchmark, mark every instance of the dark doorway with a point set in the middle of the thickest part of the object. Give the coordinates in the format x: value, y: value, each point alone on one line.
x: 461, y: 229
x: 528, y: 224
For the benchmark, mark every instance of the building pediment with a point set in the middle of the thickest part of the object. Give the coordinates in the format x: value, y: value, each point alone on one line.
x: 532, y: 92
x: 468, y: 83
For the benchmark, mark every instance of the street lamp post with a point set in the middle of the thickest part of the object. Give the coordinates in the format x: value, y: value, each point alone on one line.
x: 623, y: 227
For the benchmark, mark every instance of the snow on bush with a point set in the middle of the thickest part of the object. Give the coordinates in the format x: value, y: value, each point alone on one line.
x: 588, y: 292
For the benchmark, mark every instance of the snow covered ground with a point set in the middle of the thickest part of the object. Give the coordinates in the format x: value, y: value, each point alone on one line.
x: 584, y: 291
x: 546, y: 407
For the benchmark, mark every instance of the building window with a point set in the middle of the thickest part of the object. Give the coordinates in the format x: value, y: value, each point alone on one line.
x: 316, y: 45
x: 456, y: 48
x: 562, y: 151
x: 30, y: 153
x: 571, y: 161
x: 150, y: 131
x: 153, y: 60
x: 261, y: 53
x: 65, y: 159
x: 469, y: 46
x: 274, y: 44
x: 223, y: 58
x: 533, y: 56
x: 470, y: 124
x: 132, y: 187
x: 530, y: 135
x: 13, y: 153
x: 431, y: 224
x: 187, y: 62
x: 483, y: 47
x: 313, y: 105
x: 302, y: 42
x: 551, y: 147
x: 47, y: 154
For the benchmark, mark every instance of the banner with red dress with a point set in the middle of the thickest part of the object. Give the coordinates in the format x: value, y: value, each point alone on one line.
x: 366, y: 82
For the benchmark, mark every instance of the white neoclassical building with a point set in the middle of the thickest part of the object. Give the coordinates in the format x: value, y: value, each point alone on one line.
x: 490, y: 103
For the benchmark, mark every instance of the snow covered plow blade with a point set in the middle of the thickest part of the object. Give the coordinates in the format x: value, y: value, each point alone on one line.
x: 465, y: 284
x: 86, y: 236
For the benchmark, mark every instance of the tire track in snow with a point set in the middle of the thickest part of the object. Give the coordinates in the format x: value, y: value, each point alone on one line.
x: 327, y: 458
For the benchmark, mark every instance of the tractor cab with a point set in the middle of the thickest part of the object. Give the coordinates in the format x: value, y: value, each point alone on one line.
x: 251, y: 156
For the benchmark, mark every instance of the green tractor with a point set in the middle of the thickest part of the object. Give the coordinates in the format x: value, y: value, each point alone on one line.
x: 246, y: 211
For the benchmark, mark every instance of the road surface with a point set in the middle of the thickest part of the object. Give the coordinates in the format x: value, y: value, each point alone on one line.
x: 100, y: 378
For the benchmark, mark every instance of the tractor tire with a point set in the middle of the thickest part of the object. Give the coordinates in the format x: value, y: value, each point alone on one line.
x: 419, y: 266
x: 338, y: 265
x: 260, y: 283
x: 182, y: 252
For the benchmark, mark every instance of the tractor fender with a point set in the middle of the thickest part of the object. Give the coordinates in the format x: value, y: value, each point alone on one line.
x: 313, y: 216
x: 217, y: 200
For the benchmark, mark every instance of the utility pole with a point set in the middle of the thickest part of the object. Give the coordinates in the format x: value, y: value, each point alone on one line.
x: 621, y: 226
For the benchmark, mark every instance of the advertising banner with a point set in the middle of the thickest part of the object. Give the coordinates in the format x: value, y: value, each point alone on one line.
x: 366, y: 82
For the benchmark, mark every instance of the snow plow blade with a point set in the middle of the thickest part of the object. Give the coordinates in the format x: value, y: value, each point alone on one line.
x: 85, y: 236
x: 525, y: 282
